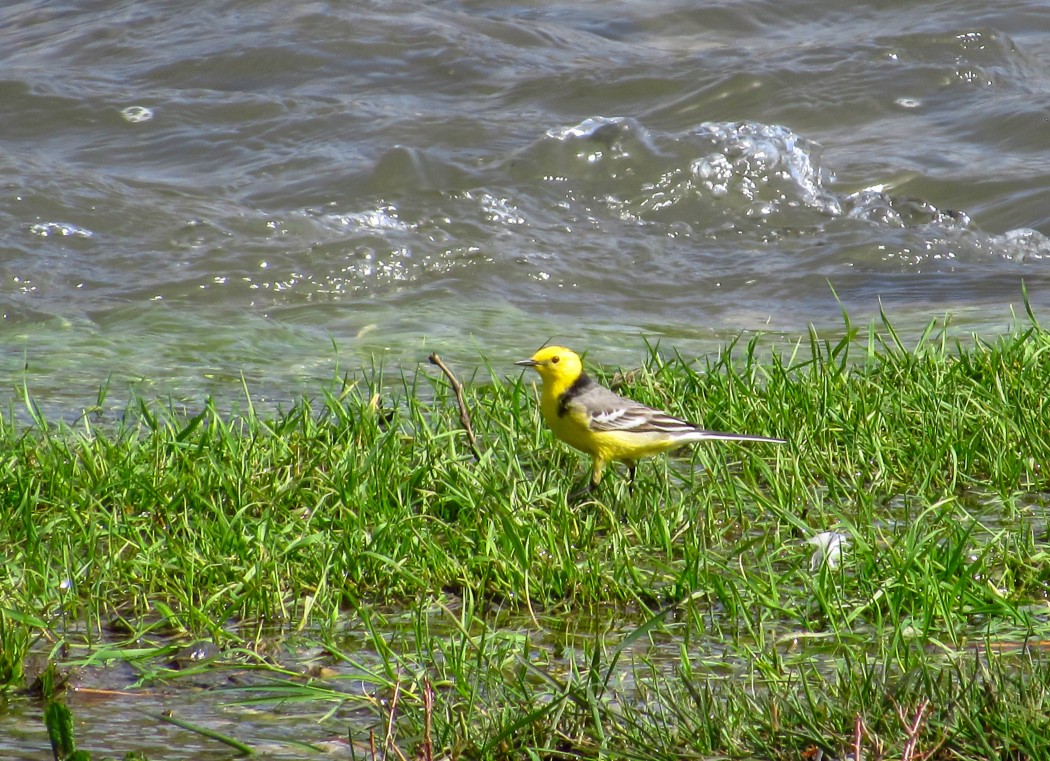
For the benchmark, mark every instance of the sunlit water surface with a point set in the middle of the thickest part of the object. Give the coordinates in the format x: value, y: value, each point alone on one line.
x: 288, y: 192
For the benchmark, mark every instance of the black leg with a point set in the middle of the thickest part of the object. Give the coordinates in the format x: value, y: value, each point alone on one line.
x: 584, y: 491
x: 596, y: 474
x: 590, y: 487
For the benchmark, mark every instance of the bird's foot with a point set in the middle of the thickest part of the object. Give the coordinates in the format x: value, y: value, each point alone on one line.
x: 584, y: 492
x: 632, y: 470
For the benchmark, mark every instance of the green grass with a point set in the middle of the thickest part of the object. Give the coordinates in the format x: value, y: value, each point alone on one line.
x: 708, y: 632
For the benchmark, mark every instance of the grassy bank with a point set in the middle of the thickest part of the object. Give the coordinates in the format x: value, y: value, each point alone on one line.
x: 711, y: 630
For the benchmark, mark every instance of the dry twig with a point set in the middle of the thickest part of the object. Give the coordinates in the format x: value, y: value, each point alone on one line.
x: 389, y: 745
x: 914, y: 729
x: 428, y: 719
x: 464, y: 416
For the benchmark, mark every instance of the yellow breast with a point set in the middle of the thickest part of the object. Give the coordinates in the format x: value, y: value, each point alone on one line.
x: 573, y: 427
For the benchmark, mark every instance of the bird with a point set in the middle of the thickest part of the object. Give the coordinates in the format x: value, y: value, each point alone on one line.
x: 609, y: 427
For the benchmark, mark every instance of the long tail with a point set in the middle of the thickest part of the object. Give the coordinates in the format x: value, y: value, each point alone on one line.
x: 701, y: 435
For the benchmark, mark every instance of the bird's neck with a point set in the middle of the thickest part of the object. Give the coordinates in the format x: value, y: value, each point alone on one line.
x: 559, y: 390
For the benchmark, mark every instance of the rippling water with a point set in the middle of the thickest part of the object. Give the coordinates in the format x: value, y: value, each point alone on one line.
x: 191, y: 192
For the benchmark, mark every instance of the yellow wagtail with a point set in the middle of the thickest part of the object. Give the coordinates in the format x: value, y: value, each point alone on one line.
x: 605, y: 425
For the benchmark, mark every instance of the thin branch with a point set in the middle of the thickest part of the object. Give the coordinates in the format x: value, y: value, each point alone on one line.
x: 914, y: 729
x: 428, y: 720
x: 464, y: 416
x: 388, y: 744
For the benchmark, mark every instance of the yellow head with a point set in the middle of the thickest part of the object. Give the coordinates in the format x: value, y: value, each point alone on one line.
x: 557, y: 365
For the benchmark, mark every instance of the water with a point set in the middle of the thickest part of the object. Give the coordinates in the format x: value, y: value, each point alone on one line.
x: 192, y: 194
x: 117, y: 704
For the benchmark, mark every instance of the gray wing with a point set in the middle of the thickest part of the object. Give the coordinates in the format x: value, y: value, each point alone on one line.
x: 608, y: 411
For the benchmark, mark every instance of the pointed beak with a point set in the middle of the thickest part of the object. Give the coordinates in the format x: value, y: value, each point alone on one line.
x: 527, y: 363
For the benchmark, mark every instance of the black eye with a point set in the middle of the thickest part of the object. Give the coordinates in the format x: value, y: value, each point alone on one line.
x: 555, y: 360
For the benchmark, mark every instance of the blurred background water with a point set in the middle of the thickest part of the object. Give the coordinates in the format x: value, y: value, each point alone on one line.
x: 192, y: 192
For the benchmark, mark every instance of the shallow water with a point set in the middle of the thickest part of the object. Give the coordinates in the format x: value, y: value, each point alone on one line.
x: 116, y: 705
x: 289, y: 192
x: 121, y: 682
